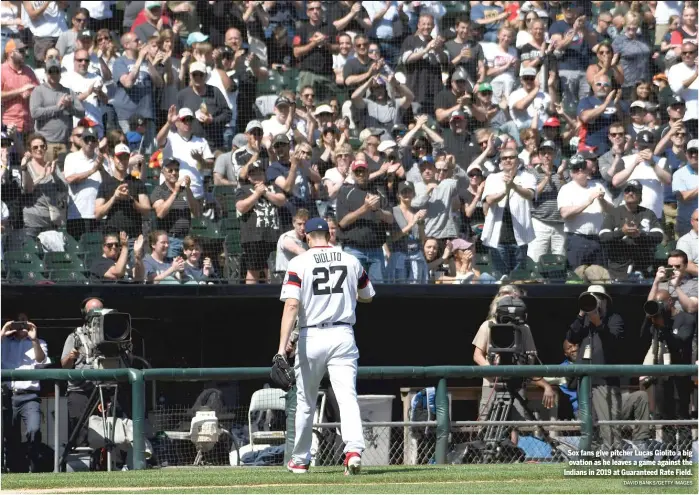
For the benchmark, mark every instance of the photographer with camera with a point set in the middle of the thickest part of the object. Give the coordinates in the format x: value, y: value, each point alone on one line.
x: 509, y: 310
x: 78, y: 391
x: 599, y: 332
x: 22, y: 349
x: 675, y: 279
x: 672, y: 332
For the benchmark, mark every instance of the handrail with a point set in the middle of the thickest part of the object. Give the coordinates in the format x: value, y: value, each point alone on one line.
x: 137, y: 378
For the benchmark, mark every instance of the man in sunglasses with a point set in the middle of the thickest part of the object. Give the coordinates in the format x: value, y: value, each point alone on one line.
x: 684, y: 82
x: 685, y: 186
x: 675, y: 279
x: 530, y: 100
x: 18, y: 81
x: 89, y: 88
x: 113, y: 265
x: 53, y: 108
x: 598, y: 112
x: 676, y: 109
x: 358, y: 68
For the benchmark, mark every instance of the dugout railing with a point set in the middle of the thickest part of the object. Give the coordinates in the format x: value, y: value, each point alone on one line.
x: 443, y: 426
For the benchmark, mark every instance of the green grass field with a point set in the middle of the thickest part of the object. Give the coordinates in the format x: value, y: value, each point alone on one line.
x: 514, y: 478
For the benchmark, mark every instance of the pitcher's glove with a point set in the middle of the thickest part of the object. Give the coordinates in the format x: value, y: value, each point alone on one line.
x: 282, y: 374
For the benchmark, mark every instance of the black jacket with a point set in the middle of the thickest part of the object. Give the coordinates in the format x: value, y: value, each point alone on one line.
x: 605, y: 342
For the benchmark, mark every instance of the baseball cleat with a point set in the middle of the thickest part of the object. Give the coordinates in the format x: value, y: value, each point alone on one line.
x: 353, y: 463
x: 296, y: 468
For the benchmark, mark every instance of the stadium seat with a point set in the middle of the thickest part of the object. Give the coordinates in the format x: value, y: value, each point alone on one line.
x: 522, y: 274
x: 228, y: 225
x: 63, y: 261
x: 68, y: 277
x: 264, y: 400
x: 70, y: 244
x: 662, y: 253
x: 290, y: 78
x: 481, y: 259
x: 31, y: 246
x: 91, y: 242
x: 24, y: 262
x: 21, y: 275
x: 552, y: 266
x: 203, y: 228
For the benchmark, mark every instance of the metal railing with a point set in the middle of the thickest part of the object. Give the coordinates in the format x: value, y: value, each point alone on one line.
x: 443, y: 424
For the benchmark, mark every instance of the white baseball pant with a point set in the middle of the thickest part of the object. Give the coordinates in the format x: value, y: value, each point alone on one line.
x: 330, y: 348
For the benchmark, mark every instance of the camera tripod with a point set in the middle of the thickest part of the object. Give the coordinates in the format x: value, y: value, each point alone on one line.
x: 97, y: 397
x: 494, y: 444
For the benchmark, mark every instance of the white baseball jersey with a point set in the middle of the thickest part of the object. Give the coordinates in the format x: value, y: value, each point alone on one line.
x: 325, y: 280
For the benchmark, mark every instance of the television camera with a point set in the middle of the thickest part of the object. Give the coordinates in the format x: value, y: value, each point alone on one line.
x: 105, y: 339
x: 506, y: 342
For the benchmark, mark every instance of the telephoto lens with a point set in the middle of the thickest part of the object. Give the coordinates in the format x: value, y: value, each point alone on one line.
x: 652, y: 308
x: 588, y: 302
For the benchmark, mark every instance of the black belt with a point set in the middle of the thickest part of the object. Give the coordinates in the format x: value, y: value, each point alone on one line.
x: 333, y: 324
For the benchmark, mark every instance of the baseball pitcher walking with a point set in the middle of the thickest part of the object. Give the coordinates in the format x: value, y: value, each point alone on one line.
x: 321, y: 287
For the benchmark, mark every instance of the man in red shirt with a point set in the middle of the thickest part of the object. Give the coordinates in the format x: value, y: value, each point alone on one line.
x: 17, y: 81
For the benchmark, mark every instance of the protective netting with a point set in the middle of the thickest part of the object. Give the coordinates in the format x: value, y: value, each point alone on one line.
x: 276, y: 111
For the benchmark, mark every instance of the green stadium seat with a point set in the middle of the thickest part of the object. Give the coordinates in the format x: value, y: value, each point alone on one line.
x: 552, y: 266
x: 71, y: 245
x: 31, y: 246
x: 482, y: 259
x: 520, y: 274
x: 203, y: 228
x: 224, y: 192
x: 290, y: 78
x: 24, y: 262
x: 662, y: 253
x: 68, y: 277
x: 63, y: 261
x: 23, y: 275
x: 355, y: 143
x: 228, y: 225
x: 91, y: 242
x: 231, y: 244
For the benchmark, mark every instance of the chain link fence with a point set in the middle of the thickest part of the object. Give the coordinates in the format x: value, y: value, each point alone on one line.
x: 408, y: 443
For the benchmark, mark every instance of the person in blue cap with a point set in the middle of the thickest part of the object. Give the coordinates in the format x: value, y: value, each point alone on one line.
x: 321, y: 288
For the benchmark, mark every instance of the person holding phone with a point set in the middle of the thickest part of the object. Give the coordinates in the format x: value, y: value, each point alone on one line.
x: 22, y: 349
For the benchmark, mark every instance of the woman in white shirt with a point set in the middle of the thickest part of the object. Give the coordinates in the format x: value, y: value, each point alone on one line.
x: 10, y: 22
x: 502, y: 63
x: 335, y: 177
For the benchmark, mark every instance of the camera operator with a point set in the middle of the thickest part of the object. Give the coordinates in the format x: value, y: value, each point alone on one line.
x: 21, y: 350
x: 78, y: 392
x: 598, y: 331
x: 507, y: 296
x: 675, y: 279
x: 672, y: 332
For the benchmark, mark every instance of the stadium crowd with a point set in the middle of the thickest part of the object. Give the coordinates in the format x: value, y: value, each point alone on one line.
x: 455, y: 142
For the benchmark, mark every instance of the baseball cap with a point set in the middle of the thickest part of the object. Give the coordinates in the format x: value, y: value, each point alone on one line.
x: 359, y: 164
x: 136, y: 120
x: 52, y: 63
x: 257, y: 164
x: 386, y: 145
x: 693, y: 144
x: 552, y: 122
x: 456, y: 115
x: 323, y: 109
x: 633, y: 185
x: 645, y: 139
x: 121, y: 149
x: 151, y: 5
x: 548, y: 144
x: 460, y: 244
x: 184, y: 112
x: 317, y: 225
x: 405, y: 186
x: 196, y: 37
x: 89, y: 132
x: 240, y: 140
x: 577, y: 162
x: 588, y: 154
x: 171, y: 162
x: 675, y: 100
x: 197, y: 67
x: 14, y: 44
x: 459, y: 75
x: 639, y: 104
x: 659, y: 77
x: 87, y: 122
x: 86, y: 33
x: 253, y: 124
x: 280, y: 139
x: 527, y: 71
x: 375, y: 131
x: 399, y: 129
x: 282, y: 100
x: 484, y: 86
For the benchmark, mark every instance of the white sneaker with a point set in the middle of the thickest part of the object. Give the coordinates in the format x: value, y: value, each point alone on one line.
x: 353, y: 463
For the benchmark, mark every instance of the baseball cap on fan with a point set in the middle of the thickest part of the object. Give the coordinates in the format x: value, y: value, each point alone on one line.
x: 645, y: 140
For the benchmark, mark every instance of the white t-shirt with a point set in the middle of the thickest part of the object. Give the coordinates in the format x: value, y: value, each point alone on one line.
x: 181, y: 149
x: 272, y: 127
x: 99, y: 10
x: 589, y: 221
x: 94, y: 67
x: 678, y: 74
x: 51, y: 23
x: 283, y: 257
x: 495, y: 57
x: 82, y: 194
x: 523, y: 118
x: 653, y: 193
x: 333, y: 175
x: 520, y: 208
x: 325, y: 280
x: 80, y: 84
x: 663, y: 11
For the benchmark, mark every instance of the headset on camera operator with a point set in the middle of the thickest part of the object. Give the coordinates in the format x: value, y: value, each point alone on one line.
x: 22, y: 349
x: 672, y: 335
x: 599, y: 331
x: 508, y: 298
